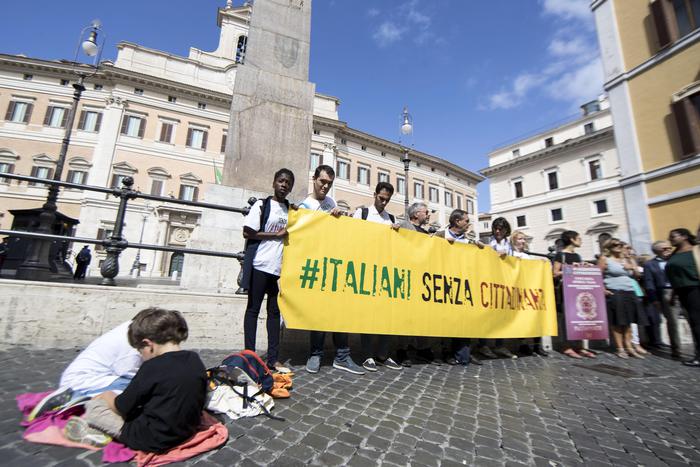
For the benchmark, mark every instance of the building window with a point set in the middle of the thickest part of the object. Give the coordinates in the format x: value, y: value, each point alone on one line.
x: 343, y: 169
x: 65, y: 82
x: 117, y: 180
x: 518, y: 188
x: 343, y: 141
x: 201, y: 105
x: 138, y: 91
x: 240, y: 48
x: 401, y: 185
x: 19, y: 112
x: 188, y: 193
x: 674, y: 19
x: 549, y: 142
x: 552, y: 180
x: 166, y: 132
x: 556, y: 215
x: 315, y: 160
x: 687, y: 115
x: 362, y: 175
x: 382, y: 177
x: 97, y: 87
x: 90, y: 120
x: 172, y: 99
x: 433, y: 194
x: 103, y: 234
x: 521, y: 221
x: 27, y: 77
x: 224, y: 137
x: 470, y: 206
x: 6, y: 168
x: 157, y: 187
x: 601, y: 206
x: 40, y: 172
x: 418, y: 190
x: 448, y: 199
x: 588, y: 128
x: 516, y: 152
x: 76, y: 176
x: 459, y: 201
x: 133, y: 125
x: 317, y: 132
x: 595, y: 170
x: 363, y: 147
x: 197, y: 138
x: 56, y: 117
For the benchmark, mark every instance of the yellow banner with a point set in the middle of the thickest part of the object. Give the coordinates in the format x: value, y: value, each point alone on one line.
x: 349, y: 275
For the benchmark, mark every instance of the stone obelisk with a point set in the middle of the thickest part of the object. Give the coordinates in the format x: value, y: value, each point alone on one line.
x: 272, y: 106
x: 270, y: 128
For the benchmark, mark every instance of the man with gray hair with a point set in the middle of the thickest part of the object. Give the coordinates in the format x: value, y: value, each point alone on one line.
x: 418, y: 216
x: 659, y: 294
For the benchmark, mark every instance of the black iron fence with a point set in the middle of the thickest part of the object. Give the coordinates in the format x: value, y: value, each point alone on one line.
x: 116, y: 243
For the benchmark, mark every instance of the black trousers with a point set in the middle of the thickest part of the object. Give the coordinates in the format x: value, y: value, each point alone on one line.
x: 690, y: 299
x: 261, y: 284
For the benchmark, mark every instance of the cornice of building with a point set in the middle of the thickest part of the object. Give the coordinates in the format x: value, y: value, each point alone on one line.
x: 241, y: 13
x: 540, y: 134
x: 179, y: 58
x: 344, y: 130
x: 552, y: 151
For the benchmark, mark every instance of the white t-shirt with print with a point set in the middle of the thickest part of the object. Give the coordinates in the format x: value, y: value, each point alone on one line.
x: 312, y: 203
x: 374, y: 216
x: 268, y: 258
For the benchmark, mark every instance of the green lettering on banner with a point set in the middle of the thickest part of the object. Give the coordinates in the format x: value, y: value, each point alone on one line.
x: 350, y: 279
x: 385, y: 282
x: 309, y: 274
x: 363, y: 267
x: 399, y: 283
x: 323, y: 277
x: 335, y: 263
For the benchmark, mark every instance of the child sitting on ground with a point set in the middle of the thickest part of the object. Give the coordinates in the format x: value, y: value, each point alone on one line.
x: 162, y: 405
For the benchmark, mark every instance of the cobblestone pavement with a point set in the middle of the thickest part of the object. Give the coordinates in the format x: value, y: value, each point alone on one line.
x: 530, y: 411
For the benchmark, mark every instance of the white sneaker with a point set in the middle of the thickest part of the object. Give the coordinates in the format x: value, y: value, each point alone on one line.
x: 370, y: 365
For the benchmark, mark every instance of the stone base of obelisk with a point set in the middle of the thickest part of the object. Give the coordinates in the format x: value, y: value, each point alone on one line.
x: 217, y: 231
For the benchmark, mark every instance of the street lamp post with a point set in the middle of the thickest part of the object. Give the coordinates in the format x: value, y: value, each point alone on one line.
x: 406, y: 130
x: 137, y: 261
x: 36, y: 265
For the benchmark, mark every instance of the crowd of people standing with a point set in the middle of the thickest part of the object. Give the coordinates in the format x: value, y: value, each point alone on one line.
x: 637, y: 294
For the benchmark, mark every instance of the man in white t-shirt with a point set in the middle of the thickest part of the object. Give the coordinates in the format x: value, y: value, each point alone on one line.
x: 320, y: 201
x: 377, y: 213
x: 265, y: 229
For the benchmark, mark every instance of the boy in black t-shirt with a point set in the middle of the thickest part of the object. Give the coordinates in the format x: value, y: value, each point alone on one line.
x: 162, y: 405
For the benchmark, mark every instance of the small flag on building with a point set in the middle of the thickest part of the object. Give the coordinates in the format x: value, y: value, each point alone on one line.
x: 218, y: 176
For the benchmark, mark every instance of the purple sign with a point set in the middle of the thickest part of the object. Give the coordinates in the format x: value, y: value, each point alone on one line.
x: 584, y: 303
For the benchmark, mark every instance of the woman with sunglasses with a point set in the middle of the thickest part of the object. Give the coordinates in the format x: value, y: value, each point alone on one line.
x: 623, y: 304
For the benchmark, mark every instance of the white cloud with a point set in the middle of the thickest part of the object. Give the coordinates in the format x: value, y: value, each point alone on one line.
x: 388, y: 33
x: 575, y: 46
x: 569, y: 9
x: 573, y: 72
x: 579, y: 85
x: 407, y: 18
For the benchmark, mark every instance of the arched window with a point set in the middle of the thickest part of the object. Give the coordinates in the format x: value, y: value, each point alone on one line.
x: 240, y: 49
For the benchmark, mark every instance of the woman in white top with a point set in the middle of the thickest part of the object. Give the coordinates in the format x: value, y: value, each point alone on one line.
x: 518, y: 243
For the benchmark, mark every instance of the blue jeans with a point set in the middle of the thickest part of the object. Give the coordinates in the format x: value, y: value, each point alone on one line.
x: 118, y: 385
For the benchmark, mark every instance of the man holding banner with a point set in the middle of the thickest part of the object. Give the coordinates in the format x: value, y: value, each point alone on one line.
x: 377, y: 213
x: 323, y: 179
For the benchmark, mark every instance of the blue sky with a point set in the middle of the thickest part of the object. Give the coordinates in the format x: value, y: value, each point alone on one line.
x: 474, y: 74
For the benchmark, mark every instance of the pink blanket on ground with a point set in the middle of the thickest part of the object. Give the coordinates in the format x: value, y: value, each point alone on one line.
x: 48, y: 429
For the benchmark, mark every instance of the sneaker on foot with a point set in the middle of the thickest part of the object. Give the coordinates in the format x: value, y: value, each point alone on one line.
x: 370, y: 365
x: 78, y: 431
x: 313, y: 364
x: 486, y: 352
x: 525, y: 350
x: 541, y: 352
x: 475, y: 361
x: 503, y: 352
x: 51, y: 402
x: 348, y: 365
x: 390, y: 363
